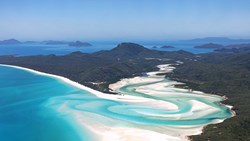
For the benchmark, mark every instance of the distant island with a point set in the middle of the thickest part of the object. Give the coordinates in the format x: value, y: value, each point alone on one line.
x: 79, y: 44
x: 210, y: 46
x: 217, y: 40
x: 10, y: 42
x: 167, y: 46
x: 47, y: 42
x: 73, y: 44
x: 228, y: 48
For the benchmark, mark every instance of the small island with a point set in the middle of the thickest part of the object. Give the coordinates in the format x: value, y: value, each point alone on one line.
x: 210, y: 46
x: 10, y: 42
x: 73, y: 44
x: 167, y: 46
x: 79, y: 44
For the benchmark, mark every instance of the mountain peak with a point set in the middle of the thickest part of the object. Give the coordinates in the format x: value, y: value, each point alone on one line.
x: 124, y: 50
x: 130, y: 47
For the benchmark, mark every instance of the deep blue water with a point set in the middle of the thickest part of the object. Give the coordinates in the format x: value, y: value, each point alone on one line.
x: 187, y: 46
x: 42, y: 49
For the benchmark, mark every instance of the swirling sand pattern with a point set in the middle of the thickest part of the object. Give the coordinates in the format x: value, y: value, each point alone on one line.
x: 150, y: 108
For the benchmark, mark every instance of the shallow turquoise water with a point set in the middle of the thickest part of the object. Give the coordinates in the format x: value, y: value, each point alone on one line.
x: 22, y: 116
x: 40, y: 108
x: 181, y: 99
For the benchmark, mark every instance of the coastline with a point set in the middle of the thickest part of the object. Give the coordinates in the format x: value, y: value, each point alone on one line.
x: 124, y: 98
x: 169, y: 69
x: 104, y: 135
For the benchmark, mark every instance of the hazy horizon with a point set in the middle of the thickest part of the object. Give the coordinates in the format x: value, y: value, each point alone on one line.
x: 124, y: 40
x: 123, y: 20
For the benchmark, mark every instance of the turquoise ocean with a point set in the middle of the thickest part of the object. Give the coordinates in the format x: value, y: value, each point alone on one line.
x: 35, y: 107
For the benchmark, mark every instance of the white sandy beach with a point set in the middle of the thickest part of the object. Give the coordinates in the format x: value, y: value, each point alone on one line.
x: 107, y: 133
x: 162, y: 89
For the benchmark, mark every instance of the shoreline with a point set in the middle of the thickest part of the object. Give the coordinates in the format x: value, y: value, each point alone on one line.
x: 169, y: 69
x: 124, y: 98
x: 64, y: 79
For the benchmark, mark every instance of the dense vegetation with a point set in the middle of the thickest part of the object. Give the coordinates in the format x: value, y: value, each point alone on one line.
x: 226, y: 72
x: 222, y: 74
x: 104, y: 67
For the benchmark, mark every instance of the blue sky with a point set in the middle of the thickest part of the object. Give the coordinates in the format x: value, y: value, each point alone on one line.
x: 123, y: 19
